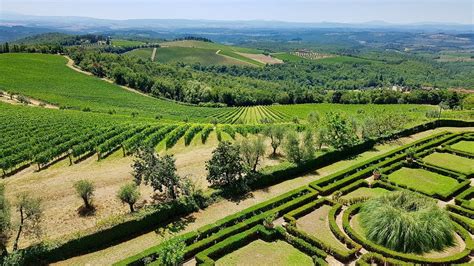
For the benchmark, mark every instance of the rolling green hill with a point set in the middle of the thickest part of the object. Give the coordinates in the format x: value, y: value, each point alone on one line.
x: 46, y: 77
x: 187, y: 55
x: 231, y: 52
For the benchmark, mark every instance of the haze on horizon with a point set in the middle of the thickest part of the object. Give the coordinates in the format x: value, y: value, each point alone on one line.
x: 347, y: 11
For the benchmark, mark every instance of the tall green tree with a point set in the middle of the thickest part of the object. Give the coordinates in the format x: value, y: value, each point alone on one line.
x: 252, y: 150
x: 276, y: 134
x: 225, y: 167
x: 340, y: 131
x: 293, y: 151
x: 158, y: 172
x: 30, y: 212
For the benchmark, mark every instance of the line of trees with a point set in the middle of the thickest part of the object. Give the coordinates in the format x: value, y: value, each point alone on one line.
x: 246, y: 86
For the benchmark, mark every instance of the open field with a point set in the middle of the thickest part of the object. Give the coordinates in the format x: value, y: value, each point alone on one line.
x: 423, y: 180
x: 126, y: 43
x: 451, y: 161
x: 234, y: 53
x: 187, y: 55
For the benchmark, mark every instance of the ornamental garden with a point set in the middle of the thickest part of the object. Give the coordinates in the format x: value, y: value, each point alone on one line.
x: 412, y: 205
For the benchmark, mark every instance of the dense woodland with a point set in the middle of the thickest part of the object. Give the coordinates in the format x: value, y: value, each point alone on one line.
x: 357, y: 79
x: 333, y: 82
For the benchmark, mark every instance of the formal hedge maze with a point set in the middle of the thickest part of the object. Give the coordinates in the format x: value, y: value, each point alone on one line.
x: 319, y: 223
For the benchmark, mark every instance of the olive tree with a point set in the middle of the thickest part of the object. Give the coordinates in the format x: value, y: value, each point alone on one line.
x: 85, y: 190
x: 276, y: 135
x: 129, y: 194
x: 251, y: 151
x: 30, y: 212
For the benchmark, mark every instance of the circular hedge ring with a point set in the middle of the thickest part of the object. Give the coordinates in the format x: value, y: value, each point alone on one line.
x: 406, y: 222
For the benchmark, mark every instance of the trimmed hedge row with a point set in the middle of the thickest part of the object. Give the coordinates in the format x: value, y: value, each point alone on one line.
x: 460, y: 210
x: 465, y: 222
x: 369, y: 245
x: 443, y: 196
x: 464, y: 199
x: 291, y: 217
x: 364, y: 169
x: 203, y: 237
x: 145, y: 222
x: 209, y: 256
x: 369, y: 259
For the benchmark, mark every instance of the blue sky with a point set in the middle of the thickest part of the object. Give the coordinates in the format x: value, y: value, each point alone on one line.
x: 401, y: 11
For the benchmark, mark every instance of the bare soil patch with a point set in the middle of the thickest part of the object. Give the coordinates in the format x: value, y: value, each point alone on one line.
x: 266, y: 59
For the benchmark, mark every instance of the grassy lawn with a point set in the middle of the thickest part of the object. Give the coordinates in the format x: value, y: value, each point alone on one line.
x: 464, y: 145
x: 316, y: 224
x: 423, y: 180
x: 260, y: 252
x: 451, y: 161
x: 365, y: 192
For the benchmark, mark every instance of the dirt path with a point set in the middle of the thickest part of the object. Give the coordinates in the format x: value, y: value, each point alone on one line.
x: 224, y: 208
x: 153, y: 54
x: 71, y: 65
x: 13, y: 99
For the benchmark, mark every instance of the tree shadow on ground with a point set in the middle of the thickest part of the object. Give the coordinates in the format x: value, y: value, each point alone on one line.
x: 84, y: 211
x: 176, y: 226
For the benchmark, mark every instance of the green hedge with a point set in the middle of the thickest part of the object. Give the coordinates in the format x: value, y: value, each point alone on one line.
x: 466, y: 222
x: 464, y: 198
x: 291, y: 217
x: 369, y: 259
x: 371, y: 246
x: 443, y: 196
x: 364, y: 169
x: 208, y: 235
x: 460, y: 210
x: 144, y: 222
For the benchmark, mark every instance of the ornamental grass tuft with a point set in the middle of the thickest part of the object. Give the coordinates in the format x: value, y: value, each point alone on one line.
x: 406, y: 222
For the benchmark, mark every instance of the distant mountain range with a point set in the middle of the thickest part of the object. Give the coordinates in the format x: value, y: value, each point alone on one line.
x: 86, y: 24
